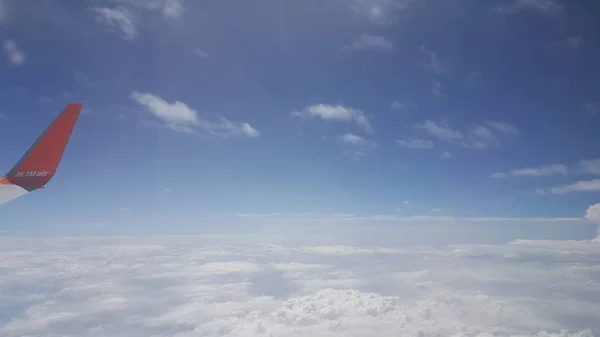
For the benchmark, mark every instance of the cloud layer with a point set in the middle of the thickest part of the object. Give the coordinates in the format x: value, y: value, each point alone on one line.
x: 252, y: 286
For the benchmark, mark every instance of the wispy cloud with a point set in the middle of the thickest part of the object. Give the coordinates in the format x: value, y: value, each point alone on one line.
x: 416, y: 144
x: 15, y: 55
x: 478, y: 136
x: 541, y: 171
x: 335, y: 113
x: 551, y: 8
x: 200, y: 52
x: 503, y: 127
x: 356, y: 140
x: 378, y: 11
x: 402, y: 105
x: 119, y: 18
x: 124, y: 18
x: 590, y: 166
x: 550, y: 170
x: 437, y: 88
x: 440, y: 130
x: 580, y: 186
x: 173, y: 9
x: 432, y: 62
x: 178, y: 116
x: 483, y: 136
x: 371, y: 42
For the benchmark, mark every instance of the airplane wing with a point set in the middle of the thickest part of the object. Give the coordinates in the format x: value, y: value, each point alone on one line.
x: 40, y: 162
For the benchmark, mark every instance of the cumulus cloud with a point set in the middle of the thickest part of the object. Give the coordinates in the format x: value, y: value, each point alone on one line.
x: 593, y: 213
x: 178, y: 116
x: 335, y: 113
x: 371, y: 42
x: 240, y: 286
x: 15, y: 55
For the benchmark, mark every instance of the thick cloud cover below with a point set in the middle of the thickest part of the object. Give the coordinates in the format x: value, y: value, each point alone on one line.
x: 249, y: 286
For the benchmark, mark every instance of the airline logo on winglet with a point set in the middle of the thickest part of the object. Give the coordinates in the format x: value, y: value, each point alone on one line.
x: 31, y: 174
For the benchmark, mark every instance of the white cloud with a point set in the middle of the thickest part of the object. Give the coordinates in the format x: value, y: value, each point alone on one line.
x: 173, y: 9
x: 441, y: 131
x: 503, y: 127
x: 447, y: 154
x: 249, y: 130
x: 119, y: 18
x: 580, y: 186
x: 482, y: 132
x: 125, y: 16
x: 549, y: 170
x: 479, y: 136
x: 15, y: 55
x: 416, y: 144
x: 178, y: 116
x: 378, y: 11
x: 335, y: 113
x: 541, y: 171
x: 499, y: 175
x: 371, y: 42
x: 590, y: 166
x: 593, y: 214
x: 433, y: 62
x: 246, y: 286
x: 201, y: 53
x: 356, y: 140
x: 485, y: 136
x: 436, y: 89
x: 402, y: 105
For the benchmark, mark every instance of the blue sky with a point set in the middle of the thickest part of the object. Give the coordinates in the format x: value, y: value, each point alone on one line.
x: 293, y: 111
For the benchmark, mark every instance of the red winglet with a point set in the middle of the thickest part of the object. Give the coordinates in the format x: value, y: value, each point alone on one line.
x: 39, y: 164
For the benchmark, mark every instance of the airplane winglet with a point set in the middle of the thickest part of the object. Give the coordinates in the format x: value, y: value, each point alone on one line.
x: 40, y: 162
